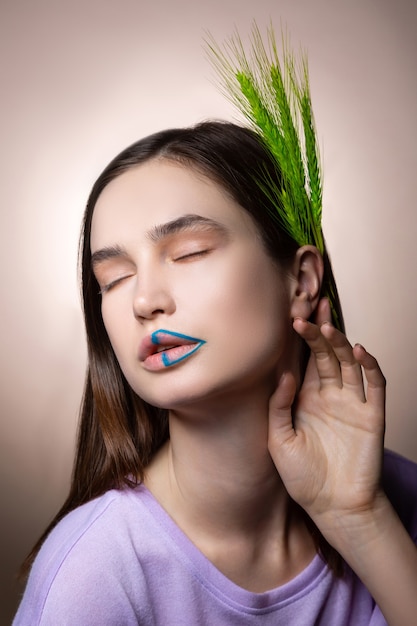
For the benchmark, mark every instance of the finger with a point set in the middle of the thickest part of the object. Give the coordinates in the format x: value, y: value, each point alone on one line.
x: 323, y: 312
x: 311, y: 377
x: 326, y: 361
x: 351, y: 371
x: 281, y: 427
x: 376, y: 383
x: 350, y: 368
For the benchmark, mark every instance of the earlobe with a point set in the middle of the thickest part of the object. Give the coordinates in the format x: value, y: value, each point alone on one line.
x: 308, y: 275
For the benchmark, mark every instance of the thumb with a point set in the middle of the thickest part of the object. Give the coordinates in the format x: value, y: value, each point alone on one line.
x: 281, y: 428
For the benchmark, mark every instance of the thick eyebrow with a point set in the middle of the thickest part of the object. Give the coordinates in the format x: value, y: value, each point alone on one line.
x: 189, y: 222
x: 104, y: 254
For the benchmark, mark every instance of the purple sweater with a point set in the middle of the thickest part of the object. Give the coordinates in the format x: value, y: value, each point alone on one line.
x: 120, y: 560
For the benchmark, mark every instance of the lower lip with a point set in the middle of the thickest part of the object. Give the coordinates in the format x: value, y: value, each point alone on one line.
x: 172, y: 356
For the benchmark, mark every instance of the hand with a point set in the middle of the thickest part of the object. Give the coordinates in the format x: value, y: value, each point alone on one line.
x: 328, y: 448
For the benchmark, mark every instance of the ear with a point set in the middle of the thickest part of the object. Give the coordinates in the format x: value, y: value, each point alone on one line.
x: 307, y: 274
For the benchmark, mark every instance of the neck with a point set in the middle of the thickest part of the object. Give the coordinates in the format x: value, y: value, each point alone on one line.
x: 216, y: 479
x: 217, y: 461
x: 230, y: 457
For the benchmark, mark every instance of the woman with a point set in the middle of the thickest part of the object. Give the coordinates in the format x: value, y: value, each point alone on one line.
x: 218, y: 479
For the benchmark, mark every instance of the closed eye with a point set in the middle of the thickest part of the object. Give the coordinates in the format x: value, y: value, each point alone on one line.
x: 191, y: 255
x: 107, y: 287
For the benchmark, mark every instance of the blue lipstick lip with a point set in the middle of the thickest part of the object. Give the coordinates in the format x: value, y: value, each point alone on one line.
x: 161, y: 331
x: 156, y: 338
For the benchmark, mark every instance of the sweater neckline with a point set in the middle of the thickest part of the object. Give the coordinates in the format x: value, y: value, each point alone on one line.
x: 207, y: 574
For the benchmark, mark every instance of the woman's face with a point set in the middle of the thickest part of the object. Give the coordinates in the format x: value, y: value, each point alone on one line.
x: 194, y: 307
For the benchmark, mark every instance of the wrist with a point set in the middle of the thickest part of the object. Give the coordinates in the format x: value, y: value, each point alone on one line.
x: 378, y: 548
x: 352, y: 532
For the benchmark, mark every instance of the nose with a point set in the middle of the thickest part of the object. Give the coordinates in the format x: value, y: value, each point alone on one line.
x: 152, y: 297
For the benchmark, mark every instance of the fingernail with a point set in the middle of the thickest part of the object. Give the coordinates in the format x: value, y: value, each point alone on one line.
x: 326, y: 323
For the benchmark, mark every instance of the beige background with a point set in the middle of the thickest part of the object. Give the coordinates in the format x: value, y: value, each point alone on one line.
x: 82, y: 79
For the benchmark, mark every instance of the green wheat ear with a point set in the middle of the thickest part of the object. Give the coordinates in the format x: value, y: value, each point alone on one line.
x: 273, y: 94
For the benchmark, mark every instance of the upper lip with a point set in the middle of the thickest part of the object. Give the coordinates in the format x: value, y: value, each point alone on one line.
x: 163, y: 338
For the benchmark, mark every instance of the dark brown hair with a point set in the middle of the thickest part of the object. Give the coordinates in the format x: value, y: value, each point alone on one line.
x: 118, y: 431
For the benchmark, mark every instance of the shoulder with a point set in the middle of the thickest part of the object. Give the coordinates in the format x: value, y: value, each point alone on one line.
x: 94, y: 553
x: 105, y: 519
x: 116, y: 521
x: 399, y: 478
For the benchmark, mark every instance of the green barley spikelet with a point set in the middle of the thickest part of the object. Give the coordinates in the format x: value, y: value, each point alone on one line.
x: 274, y: 97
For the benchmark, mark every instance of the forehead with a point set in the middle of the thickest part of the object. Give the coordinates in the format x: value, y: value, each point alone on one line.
x: 157, y: 192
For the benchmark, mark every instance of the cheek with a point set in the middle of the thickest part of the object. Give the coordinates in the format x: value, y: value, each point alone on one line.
x: 261, y: 309
x: 245, y: 300
x: 257, y: 290
x: 246, y: 275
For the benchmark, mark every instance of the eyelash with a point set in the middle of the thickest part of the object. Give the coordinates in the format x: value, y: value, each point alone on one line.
x: 193, y: 254
x: 109, y: 286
